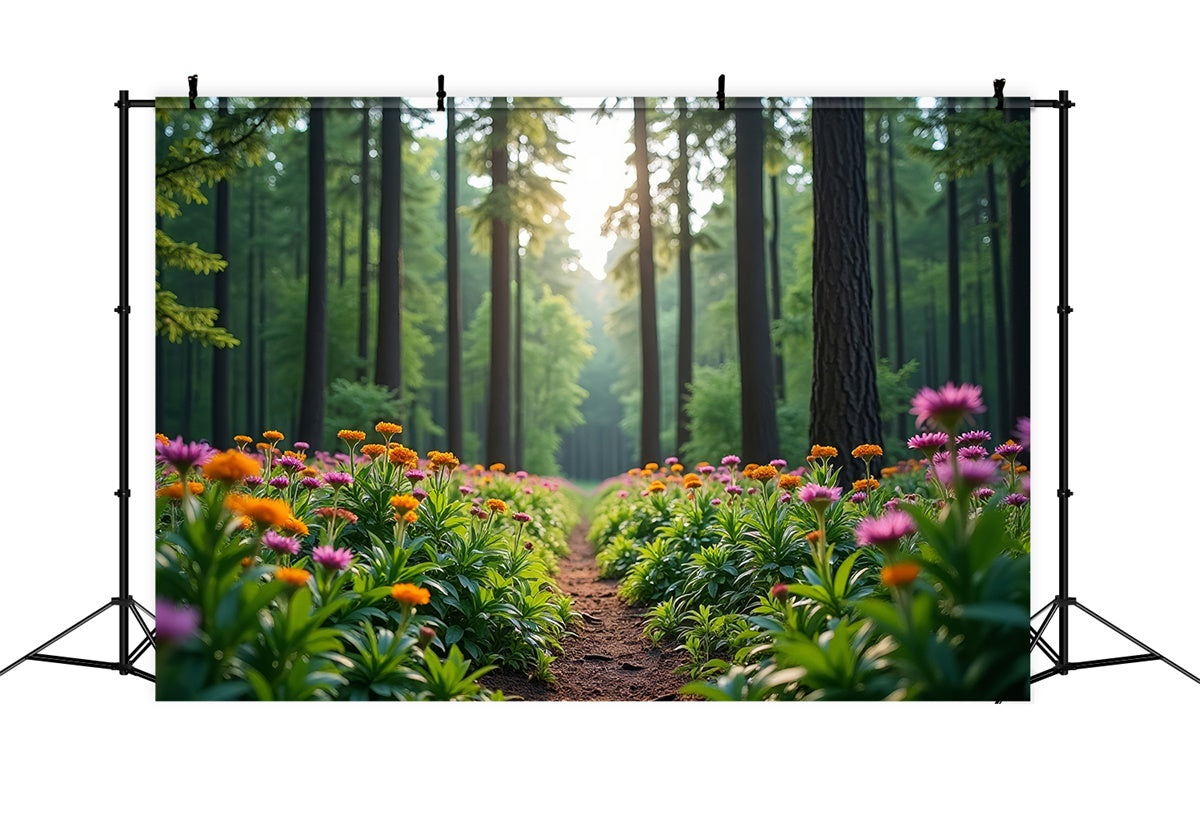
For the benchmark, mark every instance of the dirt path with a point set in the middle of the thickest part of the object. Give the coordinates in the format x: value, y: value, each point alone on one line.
x: 608, y: 660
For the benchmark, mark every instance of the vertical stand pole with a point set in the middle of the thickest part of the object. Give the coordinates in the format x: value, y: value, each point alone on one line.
x: 123, y: 381
x: 1064, y: 494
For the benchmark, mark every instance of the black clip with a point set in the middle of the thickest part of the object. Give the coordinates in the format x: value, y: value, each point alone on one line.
x: 441, y: 94
x: 721, y: 92
x: 998, y: 93
x: 192, y: 80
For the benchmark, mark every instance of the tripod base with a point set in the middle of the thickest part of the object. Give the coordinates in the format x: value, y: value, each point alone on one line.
x: 1060, y: 605
x: 124, y: 665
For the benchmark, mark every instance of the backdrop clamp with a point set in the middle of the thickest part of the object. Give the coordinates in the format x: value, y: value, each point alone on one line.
x: 721, y: 92
x: 998, y: 93
x: 441, y: 92
x: 193, y: 79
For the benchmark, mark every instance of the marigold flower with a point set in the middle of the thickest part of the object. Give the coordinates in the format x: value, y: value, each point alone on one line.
x: 292, y: 453
x: 652, y: 466
x: 819, y: 451
x: 633, y: 473
x: 329, y: 513
x: 409, y: 594
x: 692, y: 481
x: 867, y: 451
x: 293, y: 577
x: 373, y: 450
x: 1021, y: 469
x: 388, y: 428
x: 898, y: 575
x: 496, y: 467
x: 272, y: 435
x: 656, y: 486
x: 646, y: 473
x: 231, y: 466
x: 262, y: 446
x: 270, y: 512
x: 496, y: 505
x: 295, y: 526
x: 886, y: 531
x: 410, y: 517
x: 352, y: 436
x: 765, y: 473
x: 865, y: 484
x: 174, y: 491
x: 790, y: 482
x: 402, y: 456
x: 404, y: 503
x: 676, y: 467
x: 749, y: 469
x: 331, y: 558
x: 948, y: 406
x: 242, y: 439
x: 889, y: 471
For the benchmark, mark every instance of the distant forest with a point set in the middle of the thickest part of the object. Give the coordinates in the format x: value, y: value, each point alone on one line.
x: 783, y: 272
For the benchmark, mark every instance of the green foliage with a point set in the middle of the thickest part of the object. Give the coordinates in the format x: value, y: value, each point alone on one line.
x: 714, y: 397
x: 358, y: 405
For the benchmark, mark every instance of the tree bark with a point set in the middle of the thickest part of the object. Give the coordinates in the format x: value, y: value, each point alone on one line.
x: 897, y: 298
x: 454, y: 410
x: 648, y: 318
x: 342, y: 250
x: 312, y: 395
x: 388, y: 329
x: 252, y: 297
x: 776, y: 286
x: 1004, y: 410
x: 881, y: 282
x: 845, y: 399
x: 760, y: 436
x: 220, y: 356
x: 954, y: 318
x: 499, y: 405
x: 519, y: 366
x: 687, y: 305
x: 1019, y: 263
x: 364, y: 243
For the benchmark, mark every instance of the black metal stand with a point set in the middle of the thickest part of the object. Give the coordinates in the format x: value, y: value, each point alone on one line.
x: 124, y: 602
x: 1063, y: 602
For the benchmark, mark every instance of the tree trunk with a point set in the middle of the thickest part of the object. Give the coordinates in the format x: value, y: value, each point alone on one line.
x: 902, y: 420
x: 220, y: 356
x: 845, y: 399
x: 252, y: 297
x: 454, y: 409
x: 316, y: 333
x: 264, y: 396
x: 189, y: 374
x: 687, y: 306
x: 342, y: 250
x: 648, y: 318
x: 519, y: 366
x: 1019, y: 262
x: 364, y: 243
x: 760, y: 437
x: 881, y: 282
x: 387, y: 344
x: 499, y: 404
x: 954, y: 318
x: 776, y: 286
x: 1004, y: 410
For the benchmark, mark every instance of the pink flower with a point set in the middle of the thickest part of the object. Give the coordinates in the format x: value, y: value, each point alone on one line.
x: 183, y: 456
x: 521, y: 517
x: 466, y: 489
x: 779, y: 463
x: 521, y: 474
x: 707, y: 469
x: 984, y: 493
x: 1016, y: 499
x: 974, y: 437
x: 331, y: 558
x: 279, y: 482
x: 671, y: 461
x: 886, y: 531
x: 1022, y: 430
x: 1009, y: 450
x: 734, y: 490
x: 415, y: 475
x: 253, y: 481
x: 310, y: 483
x: 972, y: 453
x: 948, y: 406
x: 779, y: 591
x: 280, y: 544
x: 858, y: 497
x: 288, y: 462
x: 819, y: 497
x: 623, y: 493
x: 174, y: 623
x: 928, y: 442
x: 972, y: 473
x: 730, y: 460
x: 785, y: 497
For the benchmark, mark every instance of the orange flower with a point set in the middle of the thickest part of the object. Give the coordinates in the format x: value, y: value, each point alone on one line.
x: 899, y: 574
x: 652, y: 466
x: 295, y: 526
x: 162, y: 439
x: 646, y: 473
x: 889, y: 471
x: 676, y: 467
x: 352, y: 436
x: 692, y: 481
x: 656, y: 486
x: 410, y: 517
x: 703, y: 463
x: 299, y: 456
x: 819, y: 451
x: 388, y: 428
x: 294, y: 577
x: 1021, y: 468
x: 633, y: 473
x: 765, y: 473
x: 749, y: 470
x: 267, y: 511
x: 263, y: 447
x: 497, y: 467
x: 496, y: 505
x: 310, y: 472
x: 865, y: 484
x: 813, y: 537
x: 174, y: 491
x: 247, y: 561
x: 404, y: 503
x: 273, y: 435
x: 402, y: 456
x: 242, y: 440
x: 790, y: 482
x: 374, y: 450
x: 231, y: 466
x: 408, y: 594
x: 867, y: 451
x: 442, y: 460
x: 246, y: 523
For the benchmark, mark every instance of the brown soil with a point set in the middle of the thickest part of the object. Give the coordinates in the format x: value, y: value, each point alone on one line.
x: 607, y: 659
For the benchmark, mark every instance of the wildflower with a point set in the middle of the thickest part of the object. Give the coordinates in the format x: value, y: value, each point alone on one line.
x: 280, y: 544
x: 819, y: 497
x: 785, y: 497
x: 262, y: 446
x: 656, y: 486
x: 779, y: 591
x: 419, y: 493
x: 733, y: 490
x: 865, y: 484
x: 1009, y: 449
x: 291, y: 462
x: 671, y: 461
x: 1022, y: 431
x: 293, y: 577
x: 496, y: 467
x: 231, y: 466
x: 765, y: 473
x: 858, y: 497
x: 622, y: 493
x: 310, y: 483
x: 889, y: 471
x: 705, y: 469
x: 242, y: 440
x: 331, y: 558
x: 819, y: 451
x: 410, y: 595
x: 272, y: 435
x: 646, y: 473
x: 898, y: 575
x: 972, y: 473
x: 984, y: 493
x: 329, y: 513
x: 174, y: 491
x: 973, y: 437
x: 730, y: 460
x: 410, y: 517
x: 404, y: 503
x: 496, y: 505
x: 972, y: 453
x: 676, y: 468
x: 425, y: 636
x: 813, y: 537
x: 466, y: 489
x: 162, y: 439
x: 300, y: 445
x: 928, y: 442
x: 415, y: 475
x: 949, y: 406
x: 692, y: 481
x: 295, y: 526
x: 1016, y: 499
x: 443, y: 460
x: 779, y: 463
x: 388, y: 428
x: 352, y: 436
x: 886, y: 531
x: 310, y: 472
x: 338, y: 479
x: 790, y: 482
x: 173, y: 622
x: 183, y: 456
x: 715, y: 502
x: 280, y: 482
x: 652, y: 466
x: 402, y: 456
x: 521, y: 474
x: 867, y: 451
x: 521, y: 517
x: 270, y: 512
x: 373, y: 451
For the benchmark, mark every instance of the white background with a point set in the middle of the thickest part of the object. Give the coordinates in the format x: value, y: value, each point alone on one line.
x: 1101, y: 742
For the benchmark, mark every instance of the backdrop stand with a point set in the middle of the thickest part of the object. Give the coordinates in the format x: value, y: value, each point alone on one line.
x: 124, y: 603
x: 1063, y: 602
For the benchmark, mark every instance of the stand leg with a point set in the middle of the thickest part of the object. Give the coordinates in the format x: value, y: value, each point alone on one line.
x: 32, y: 655
x: 1137, y: 643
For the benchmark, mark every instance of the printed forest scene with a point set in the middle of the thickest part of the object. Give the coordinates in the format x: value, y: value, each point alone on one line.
x: 581, y: 399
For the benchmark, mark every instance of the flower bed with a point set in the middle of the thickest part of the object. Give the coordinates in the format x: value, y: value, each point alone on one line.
x: 778, y: 584
x: 370, y: 574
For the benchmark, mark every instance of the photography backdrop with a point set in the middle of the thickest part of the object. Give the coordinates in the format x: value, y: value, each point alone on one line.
x: 569, y: 288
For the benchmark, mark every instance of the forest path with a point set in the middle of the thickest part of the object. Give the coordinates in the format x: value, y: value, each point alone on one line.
x: 607, y: 659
